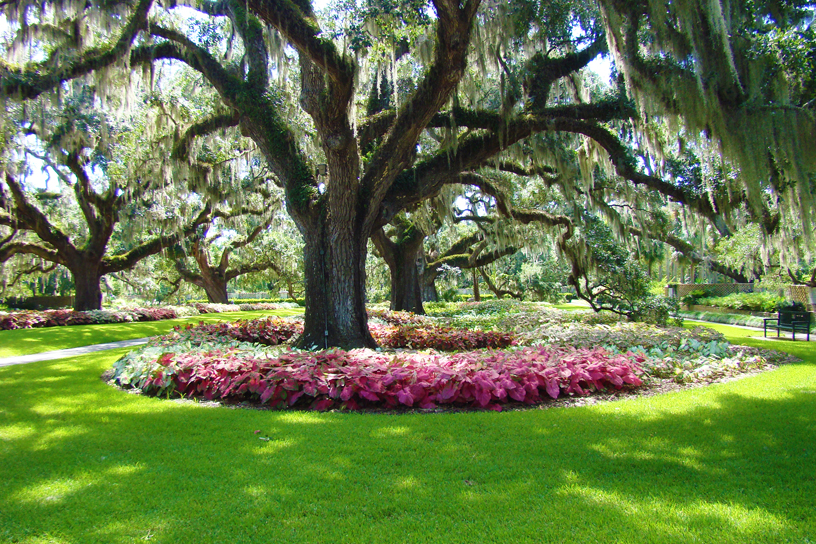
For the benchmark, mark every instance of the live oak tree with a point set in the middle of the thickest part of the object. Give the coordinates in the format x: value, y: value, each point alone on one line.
x: 490, y: 76
x: 228, y: 250
x: 86, y: 252
x: 110, y: 207
x: 413, y: 271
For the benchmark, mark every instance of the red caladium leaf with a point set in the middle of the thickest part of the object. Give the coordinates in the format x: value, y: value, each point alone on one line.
x: 482, y: 396
x: 405, y: 397
x: 552, y: 388
x: 369, y: 395
x: 322, y: 405
x: 347, y: 393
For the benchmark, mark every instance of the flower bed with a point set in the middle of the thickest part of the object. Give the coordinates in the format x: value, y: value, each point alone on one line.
x: 359, y: 378
x: 234, y: 362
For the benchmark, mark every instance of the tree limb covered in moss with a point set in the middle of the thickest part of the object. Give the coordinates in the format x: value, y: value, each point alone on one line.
x: 498, y: 291
x: 690, y: 252
x: 29, y: 217
x: 127, y: 260
x: 28, y: 83
x: 38, y: 268
x: 7, y: 251
x: 298, y: 24
x: 181, y: 149
x: 453, y: 31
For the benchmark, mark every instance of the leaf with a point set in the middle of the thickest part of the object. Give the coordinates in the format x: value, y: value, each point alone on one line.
x: 322, y: 405
x: 404, y: 396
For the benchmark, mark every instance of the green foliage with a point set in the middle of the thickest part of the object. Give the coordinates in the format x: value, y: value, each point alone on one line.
x: 543, y: 281
x: 729, y: 319
x: 694, y: 296
x: 614, y: 279
x: 756, y: 302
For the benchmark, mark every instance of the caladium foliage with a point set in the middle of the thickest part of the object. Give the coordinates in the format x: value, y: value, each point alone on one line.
x: 358, y: 378
x: 274, y: 331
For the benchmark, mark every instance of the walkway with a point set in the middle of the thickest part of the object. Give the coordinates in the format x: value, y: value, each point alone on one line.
x: 72, y: 352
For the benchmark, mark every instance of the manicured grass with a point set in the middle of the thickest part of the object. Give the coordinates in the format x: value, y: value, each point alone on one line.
x: 83, y: 462
x: 28, y: 341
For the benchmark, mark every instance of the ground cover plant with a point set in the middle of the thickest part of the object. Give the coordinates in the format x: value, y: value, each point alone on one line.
x: 728, y: 319
x: 731, y: 462
x: 565, y: 356
x: 364, y: 377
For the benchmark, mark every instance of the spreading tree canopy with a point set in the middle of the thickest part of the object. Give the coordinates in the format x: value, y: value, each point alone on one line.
x: 473, y: 87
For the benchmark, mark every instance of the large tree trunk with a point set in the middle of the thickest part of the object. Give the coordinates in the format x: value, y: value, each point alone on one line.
x: 429, y: 292
x: 428, y: 283
x: 88, y: 287
x: 406, y: 294
x: 402, y: 258
x: 334, y: 267
x: 216, y: 289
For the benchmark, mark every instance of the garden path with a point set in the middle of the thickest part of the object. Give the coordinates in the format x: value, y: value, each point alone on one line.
x: 72, y: 352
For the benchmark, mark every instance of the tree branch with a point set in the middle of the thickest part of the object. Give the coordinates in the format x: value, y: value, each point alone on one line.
x: 128, y: 260
x: 454, y: 26
x: 32, y: 81
x: 26, y: 248
x: 28, y: 217
x: 298, y: 24
x: 690, y: 252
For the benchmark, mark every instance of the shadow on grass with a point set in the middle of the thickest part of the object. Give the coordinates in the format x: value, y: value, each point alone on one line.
x: 83, y: 462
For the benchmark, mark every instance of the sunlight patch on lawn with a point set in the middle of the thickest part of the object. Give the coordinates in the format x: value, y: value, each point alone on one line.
x: 391, y: 431
x: 53, y: 491
x: 10, y: 433
x: 665, y: 520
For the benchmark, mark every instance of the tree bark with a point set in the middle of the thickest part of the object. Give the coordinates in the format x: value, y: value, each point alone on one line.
x: 216, y: 290
x: 87, y: 282
x: 406, y: 295
x: 429, y: 292
x: 334, y: 270
x: 402, y: 257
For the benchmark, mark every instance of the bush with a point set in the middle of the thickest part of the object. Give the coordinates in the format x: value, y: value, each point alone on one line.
x: 396, y: 318
x: 269, y: 332
x: 656, y: 309
x: 694, y: 296
x: 619, y: 337
x: 729, y: 319
x: 439, y: 338
x: 755, y: 302
x: 274, y: 331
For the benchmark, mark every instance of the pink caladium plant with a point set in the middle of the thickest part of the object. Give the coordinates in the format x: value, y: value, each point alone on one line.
x: 363, y: 378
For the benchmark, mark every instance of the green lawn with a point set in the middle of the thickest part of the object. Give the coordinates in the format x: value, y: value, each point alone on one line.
x: 28, y: 341
x: 83, y: 462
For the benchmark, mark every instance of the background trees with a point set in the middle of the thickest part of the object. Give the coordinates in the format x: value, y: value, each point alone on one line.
x: 97, y: 219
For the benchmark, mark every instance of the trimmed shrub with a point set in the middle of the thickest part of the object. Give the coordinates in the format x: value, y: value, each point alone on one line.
x: 754, y: 302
